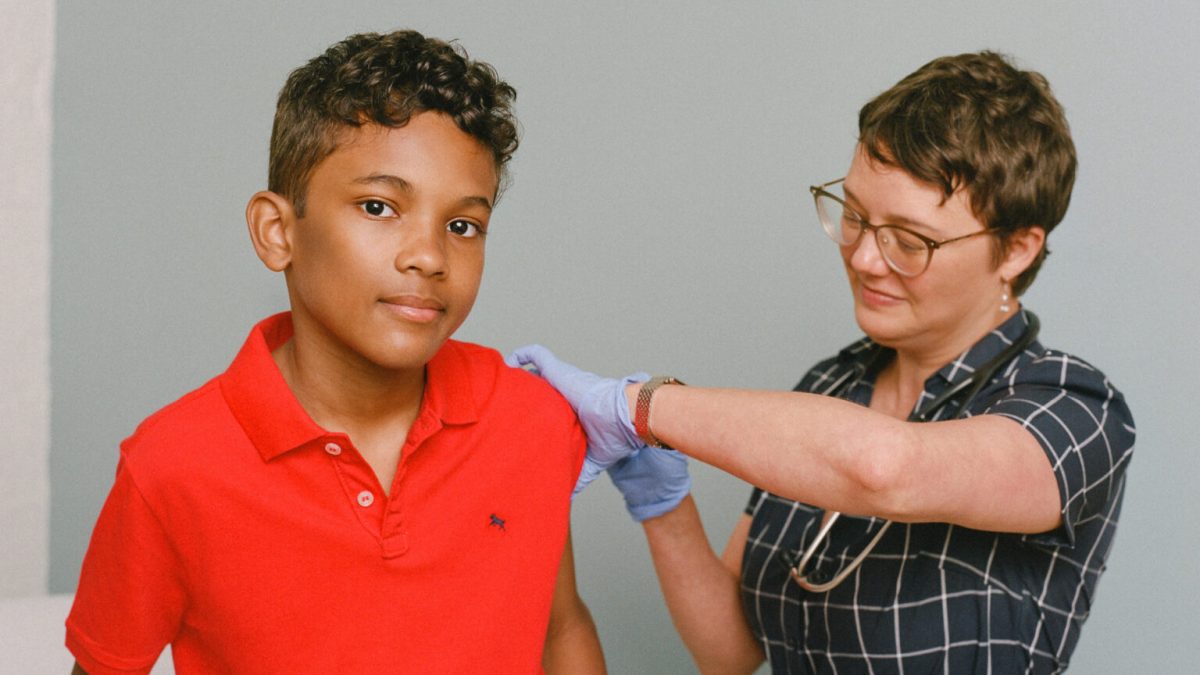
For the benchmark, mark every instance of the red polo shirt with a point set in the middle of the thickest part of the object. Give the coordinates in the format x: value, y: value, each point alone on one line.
x: 254, y: 541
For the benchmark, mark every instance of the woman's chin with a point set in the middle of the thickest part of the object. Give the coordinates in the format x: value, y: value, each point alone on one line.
x: 882, y: 326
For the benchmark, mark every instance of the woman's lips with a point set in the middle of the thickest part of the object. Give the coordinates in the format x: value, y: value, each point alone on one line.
x: 875, y: 298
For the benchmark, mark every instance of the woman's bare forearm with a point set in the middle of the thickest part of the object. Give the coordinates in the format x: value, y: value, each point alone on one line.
x: 842, y: 456
x: 817, y: 449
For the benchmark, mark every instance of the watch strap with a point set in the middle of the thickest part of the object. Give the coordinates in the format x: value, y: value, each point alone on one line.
x: 641, y: 412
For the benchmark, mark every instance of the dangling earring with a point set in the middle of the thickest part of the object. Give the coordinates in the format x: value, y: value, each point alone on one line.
x: 1004, y: 306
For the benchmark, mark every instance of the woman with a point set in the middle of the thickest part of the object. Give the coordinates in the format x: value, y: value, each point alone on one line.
x: 985, y: 472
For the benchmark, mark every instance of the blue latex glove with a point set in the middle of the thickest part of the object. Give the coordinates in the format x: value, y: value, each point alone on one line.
x: 591, y: 471
x: 653, y: 481
x: 599, y: 402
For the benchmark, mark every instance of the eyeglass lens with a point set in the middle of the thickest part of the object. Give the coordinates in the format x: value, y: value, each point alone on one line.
x: 903, y: 251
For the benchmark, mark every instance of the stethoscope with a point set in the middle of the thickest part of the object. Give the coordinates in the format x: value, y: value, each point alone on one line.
x: 972, y: 386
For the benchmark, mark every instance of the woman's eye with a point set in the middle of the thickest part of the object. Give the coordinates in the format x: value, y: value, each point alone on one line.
x: 377, y: 208
x: 464, y: 228
x: 908, y: 243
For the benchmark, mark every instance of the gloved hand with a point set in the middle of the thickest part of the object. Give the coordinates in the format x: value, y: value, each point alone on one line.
x: 599, y: 402
x: 653, y: 481
x: 591, y: 471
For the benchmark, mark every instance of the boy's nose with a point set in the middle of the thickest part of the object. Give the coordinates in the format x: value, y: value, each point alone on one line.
x: 423, y: 251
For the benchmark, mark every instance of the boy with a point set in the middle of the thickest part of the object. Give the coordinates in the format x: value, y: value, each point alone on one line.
x: 357, y: 492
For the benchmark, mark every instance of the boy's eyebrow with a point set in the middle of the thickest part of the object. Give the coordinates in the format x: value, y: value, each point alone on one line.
x: 388, y: 179
x: 398, y: 183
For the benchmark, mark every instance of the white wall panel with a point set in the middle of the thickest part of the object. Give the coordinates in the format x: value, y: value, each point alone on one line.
x: 26, y: 71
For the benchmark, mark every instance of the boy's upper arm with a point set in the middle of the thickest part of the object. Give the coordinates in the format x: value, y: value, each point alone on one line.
x: 572, y: 644
x: 566, y: 601
x: 130, y: 598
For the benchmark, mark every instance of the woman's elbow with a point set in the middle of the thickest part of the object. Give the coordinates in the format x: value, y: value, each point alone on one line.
x: 882, y: 474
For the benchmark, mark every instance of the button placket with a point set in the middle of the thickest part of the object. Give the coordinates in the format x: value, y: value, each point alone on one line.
x: 357, y: 481
x: 395, y: 536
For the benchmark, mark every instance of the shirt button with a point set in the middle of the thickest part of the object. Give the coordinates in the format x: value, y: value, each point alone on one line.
x: 333, y: 449
x: 365, y: 498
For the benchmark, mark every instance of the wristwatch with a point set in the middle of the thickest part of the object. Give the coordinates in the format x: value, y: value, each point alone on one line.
x: 641, y: 411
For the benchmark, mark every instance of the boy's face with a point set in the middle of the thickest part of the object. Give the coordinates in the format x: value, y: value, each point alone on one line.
x: 386, y: 262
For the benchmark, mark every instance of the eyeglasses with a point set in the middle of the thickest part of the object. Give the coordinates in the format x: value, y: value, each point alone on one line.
x: 908, y: 253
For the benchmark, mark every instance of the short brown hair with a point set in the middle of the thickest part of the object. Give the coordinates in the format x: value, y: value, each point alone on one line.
x: 976, y: 122
x: 371, y: 78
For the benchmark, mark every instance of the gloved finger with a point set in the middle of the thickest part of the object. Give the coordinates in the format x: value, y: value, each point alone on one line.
x: 513, y: 361
x: 591, y: 471
x: 526, y: 355
x: 561, y: 375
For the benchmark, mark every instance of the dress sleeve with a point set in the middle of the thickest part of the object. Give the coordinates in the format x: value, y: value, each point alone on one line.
x: 130, y: 599
x: 756, y: 498
x: 1084, y: 426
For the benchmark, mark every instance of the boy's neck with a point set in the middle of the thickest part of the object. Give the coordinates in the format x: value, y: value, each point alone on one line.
x: 336, y: 392
x: 374, y: 407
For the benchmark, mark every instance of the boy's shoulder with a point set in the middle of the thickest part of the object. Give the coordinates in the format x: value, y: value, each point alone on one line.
x: 536, y: 423
x: 496, y: 384
x: 200, y: 432
x: 176, y: 438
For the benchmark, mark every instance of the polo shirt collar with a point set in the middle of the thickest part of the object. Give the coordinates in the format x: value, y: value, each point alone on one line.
x: 449, y: 394
x: 276, y: 423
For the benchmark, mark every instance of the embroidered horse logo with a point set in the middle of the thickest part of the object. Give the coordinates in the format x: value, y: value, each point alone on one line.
x: 496, y: 521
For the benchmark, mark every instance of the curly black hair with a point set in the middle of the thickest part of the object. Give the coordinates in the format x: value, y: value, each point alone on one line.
x: 383, y: 79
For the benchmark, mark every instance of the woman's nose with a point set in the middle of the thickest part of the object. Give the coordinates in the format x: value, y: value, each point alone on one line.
x: 866, y: 256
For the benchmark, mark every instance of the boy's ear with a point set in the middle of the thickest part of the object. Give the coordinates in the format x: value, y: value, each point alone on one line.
x: 270, y: 218
x: 1023, y: 248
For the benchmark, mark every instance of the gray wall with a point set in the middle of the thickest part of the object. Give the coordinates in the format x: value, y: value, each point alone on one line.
x: 659, y: 220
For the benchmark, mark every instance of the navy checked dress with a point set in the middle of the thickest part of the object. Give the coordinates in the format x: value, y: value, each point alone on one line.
x: 939, y: 598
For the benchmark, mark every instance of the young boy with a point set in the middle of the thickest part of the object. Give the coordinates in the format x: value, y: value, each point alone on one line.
x: 357, y: 492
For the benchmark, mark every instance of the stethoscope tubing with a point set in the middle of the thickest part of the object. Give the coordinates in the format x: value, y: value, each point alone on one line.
x: 976, y: 383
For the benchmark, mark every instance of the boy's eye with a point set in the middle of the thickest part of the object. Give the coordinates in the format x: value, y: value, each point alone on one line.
x: 464, y: 228
x: 377, y: 208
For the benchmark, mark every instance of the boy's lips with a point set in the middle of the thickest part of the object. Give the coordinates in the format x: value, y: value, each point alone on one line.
x: 415, y: 308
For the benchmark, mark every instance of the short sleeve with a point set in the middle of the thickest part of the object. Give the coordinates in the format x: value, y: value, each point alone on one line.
x: 756, y: 498
x: 1084, y: 426
x: 130, y: 599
